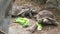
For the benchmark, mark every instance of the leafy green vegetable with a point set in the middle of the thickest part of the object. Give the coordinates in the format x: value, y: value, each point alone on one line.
x: 39, y: 26
x: 23, y: 21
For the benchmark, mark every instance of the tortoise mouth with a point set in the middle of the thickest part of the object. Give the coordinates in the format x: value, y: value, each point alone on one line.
x: 45, y: 20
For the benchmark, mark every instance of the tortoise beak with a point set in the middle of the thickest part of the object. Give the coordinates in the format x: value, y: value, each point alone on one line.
x: 45, y: 20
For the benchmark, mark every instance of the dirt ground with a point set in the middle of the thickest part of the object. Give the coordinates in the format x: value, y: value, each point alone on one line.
x: 46, y: 29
